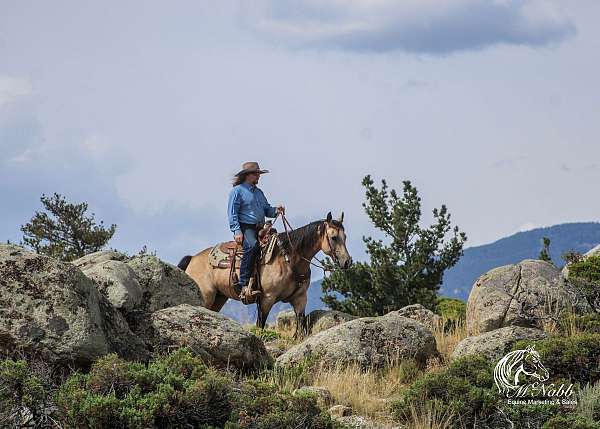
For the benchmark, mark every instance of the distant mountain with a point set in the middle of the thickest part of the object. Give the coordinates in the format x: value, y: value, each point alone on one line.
x: 581, y: 237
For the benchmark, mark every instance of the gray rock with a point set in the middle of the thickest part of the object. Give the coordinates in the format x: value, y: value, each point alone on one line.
x: 117, y: 281
x: 163, y: 285
x: 422, y: 315
x: 98, y: 257
x: 212, y: 336
x: 340, y: 411
x: 51, y: 309
x: 320, y: 320
x: 361, y: 422
x: 495, y: 344
x: 285, y: 319
x: 370, y: 342
x: 531, y: 293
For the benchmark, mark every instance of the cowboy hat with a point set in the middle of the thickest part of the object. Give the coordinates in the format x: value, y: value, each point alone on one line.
x: 251, y: 167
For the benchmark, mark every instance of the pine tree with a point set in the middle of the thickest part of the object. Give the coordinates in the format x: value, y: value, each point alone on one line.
x: 545, y: 252
x: 64, y: 231
x: 408, y: 268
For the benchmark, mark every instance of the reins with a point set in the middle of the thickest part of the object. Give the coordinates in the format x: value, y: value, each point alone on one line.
x: 288, y: 227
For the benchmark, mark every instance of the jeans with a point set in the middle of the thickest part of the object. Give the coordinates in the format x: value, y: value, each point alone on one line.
x: 251, y: 248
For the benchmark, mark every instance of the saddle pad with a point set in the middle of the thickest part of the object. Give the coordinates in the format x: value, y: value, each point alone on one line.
x: 219, y: 259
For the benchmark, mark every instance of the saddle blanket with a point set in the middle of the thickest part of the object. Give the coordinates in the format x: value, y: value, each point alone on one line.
x: 219, y: 256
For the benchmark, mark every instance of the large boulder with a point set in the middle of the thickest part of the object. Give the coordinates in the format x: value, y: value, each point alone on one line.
x: 531, y: 293
x: 97, y: 258
x: 117, y: 281
x: 495, y: 344
x: 212, y: 336
x: 163, y: 285
x: 52, y: 310
x: 422, y: 315
x: 369, y: 342
x: 320, y: 320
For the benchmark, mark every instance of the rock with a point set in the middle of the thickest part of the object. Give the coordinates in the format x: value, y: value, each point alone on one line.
x: 340, y: 411
x: 163, y: 285
x: 495, y: 344
x: 98, y: 257
x: 212, y: 336
x: 52, y: 310
x: 323, y: 395
x: 117, y: 281
x: 320, y: 320
x: 369, y: 342
x: 531, y: 293
x: 274, y: 349
x: 422, y: 315
x: 285, y: 319
x: 360, y: 422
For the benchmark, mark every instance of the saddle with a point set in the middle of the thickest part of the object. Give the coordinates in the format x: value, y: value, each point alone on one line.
x: 221, y: 256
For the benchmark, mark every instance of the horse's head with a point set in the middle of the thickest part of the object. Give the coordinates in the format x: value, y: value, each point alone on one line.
x: 333, y: 242
x: 532, y: 365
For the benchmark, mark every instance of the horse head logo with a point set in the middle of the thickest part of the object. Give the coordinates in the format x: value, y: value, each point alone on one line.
x: 519, y: 363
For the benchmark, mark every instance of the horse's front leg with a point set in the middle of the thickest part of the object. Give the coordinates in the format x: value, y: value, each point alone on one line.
x: 264, y: 305
x: 299, y: 304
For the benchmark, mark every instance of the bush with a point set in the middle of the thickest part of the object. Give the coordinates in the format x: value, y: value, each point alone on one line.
x: 23, y: 397
x: 584, y: 274
x: 570, y: 421
x: 265, y: 334
x: 574, y: 358
x: 451, y: 308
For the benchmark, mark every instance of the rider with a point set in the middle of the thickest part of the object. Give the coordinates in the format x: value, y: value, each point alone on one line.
x: 247, y: 209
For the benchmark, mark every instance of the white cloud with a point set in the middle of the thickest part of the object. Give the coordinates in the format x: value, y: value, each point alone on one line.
x: 430, y: 26
x: 12, y: 88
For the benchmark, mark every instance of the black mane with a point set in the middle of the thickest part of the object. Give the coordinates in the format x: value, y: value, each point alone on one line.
x: 304, y: 237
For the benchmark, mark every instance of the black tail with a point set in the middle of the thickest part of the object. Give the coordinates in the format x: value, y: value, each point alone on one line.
x: 185, y: 261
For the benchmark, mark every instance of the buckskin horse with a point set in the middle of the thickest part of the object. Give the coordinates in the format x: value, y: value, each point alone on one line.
x: 285, y: 278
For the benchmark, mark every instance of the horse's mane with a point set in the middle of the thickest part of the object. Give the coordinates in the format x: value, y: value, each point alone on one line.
x: 304, y: 237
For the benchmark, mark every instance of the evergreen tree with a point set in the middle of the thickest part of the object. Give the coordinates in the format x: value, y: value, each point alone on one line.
x: 64, y: 231
x: 545, y: 252
x: 408, y: 268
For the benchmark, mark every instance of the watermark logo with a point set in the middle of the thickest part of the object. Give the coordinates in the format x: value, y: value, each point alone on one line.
x: 521, y: 377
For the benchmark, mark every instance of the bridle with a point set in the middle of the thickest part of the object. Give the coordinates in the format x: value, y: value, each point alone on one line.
x: 319, y: 264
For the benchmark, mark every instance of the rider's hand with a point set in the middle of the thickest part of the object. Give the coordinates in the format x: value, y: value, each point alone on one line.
x: 239, y: 238
x: 280, y: 209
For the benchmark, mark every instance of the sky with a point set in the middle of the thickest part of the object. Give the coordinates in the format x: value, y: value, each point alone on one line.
x: 146, y: 109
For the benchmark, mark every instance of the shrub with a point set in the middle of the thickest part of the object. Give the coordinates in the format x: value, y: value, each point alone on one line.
x: 23, y: 397
x: 451, y: 308
x: 574, y: 358
x: 570, y: 421
x: 584, y: 274
x: 264, y: 334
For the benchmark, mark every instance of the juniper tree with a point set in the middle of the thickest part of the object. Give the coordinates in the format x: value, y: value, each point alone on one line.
x: 64, y: 231
x: 408, y: 267
x: 545, y: 252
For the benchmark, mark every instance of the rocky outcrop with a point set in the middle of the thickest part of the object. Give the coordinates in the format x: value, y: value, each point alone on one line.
x: 422, y: 315
x: 163, y: 285
x: 215, y: 338
x: 495, y: 344
x: 117, y: 281
x: 51, y: 309
x: 320, y: 320
x: 531, y: 293
x: 370, y: 342
x: 97, y: 258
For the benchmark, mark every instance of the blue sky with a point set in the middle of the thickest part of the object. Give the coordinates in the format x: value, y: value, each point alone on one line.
x: 146, y: 109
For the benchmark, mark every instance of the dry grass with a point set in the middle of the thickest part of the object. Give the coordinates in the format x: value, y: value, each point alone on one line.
x: 427, y: 417
x: 447, y: 340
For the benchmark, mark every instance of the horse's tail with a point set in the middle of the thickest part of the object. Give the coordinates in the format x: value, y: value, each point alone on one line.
x: 185, y: 261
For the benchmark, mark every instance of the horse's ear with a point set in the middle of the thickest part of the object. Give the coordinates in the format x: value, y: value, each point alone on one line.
x: 329, y: 217
x: 341, y: 219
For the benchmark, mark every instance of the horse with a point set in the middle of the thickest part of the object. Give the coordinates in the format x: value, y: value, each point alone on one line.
x: 285, y: 278
x: 509, y: 369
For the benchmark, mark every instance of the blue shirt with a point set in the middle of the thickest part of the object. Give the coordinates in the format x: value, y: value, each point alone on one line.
x: 247, y: 204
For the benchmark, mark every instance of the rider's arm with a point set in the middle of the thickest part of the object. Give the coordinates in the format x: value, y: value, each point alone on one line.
x: 233, y: 208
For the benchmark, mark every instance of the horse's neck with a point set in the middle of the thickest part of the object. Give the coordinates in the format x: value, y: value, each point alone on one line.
x: 303, y: 257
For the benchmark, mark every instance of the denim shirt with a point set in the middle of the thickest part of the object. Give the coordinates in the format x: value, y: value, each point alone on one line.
x: 247, y: 204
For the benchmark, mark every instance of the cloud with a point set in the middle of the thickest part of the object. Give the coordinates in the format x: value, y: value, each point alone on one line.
x: 13, y: 88
x: 420, y: 26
